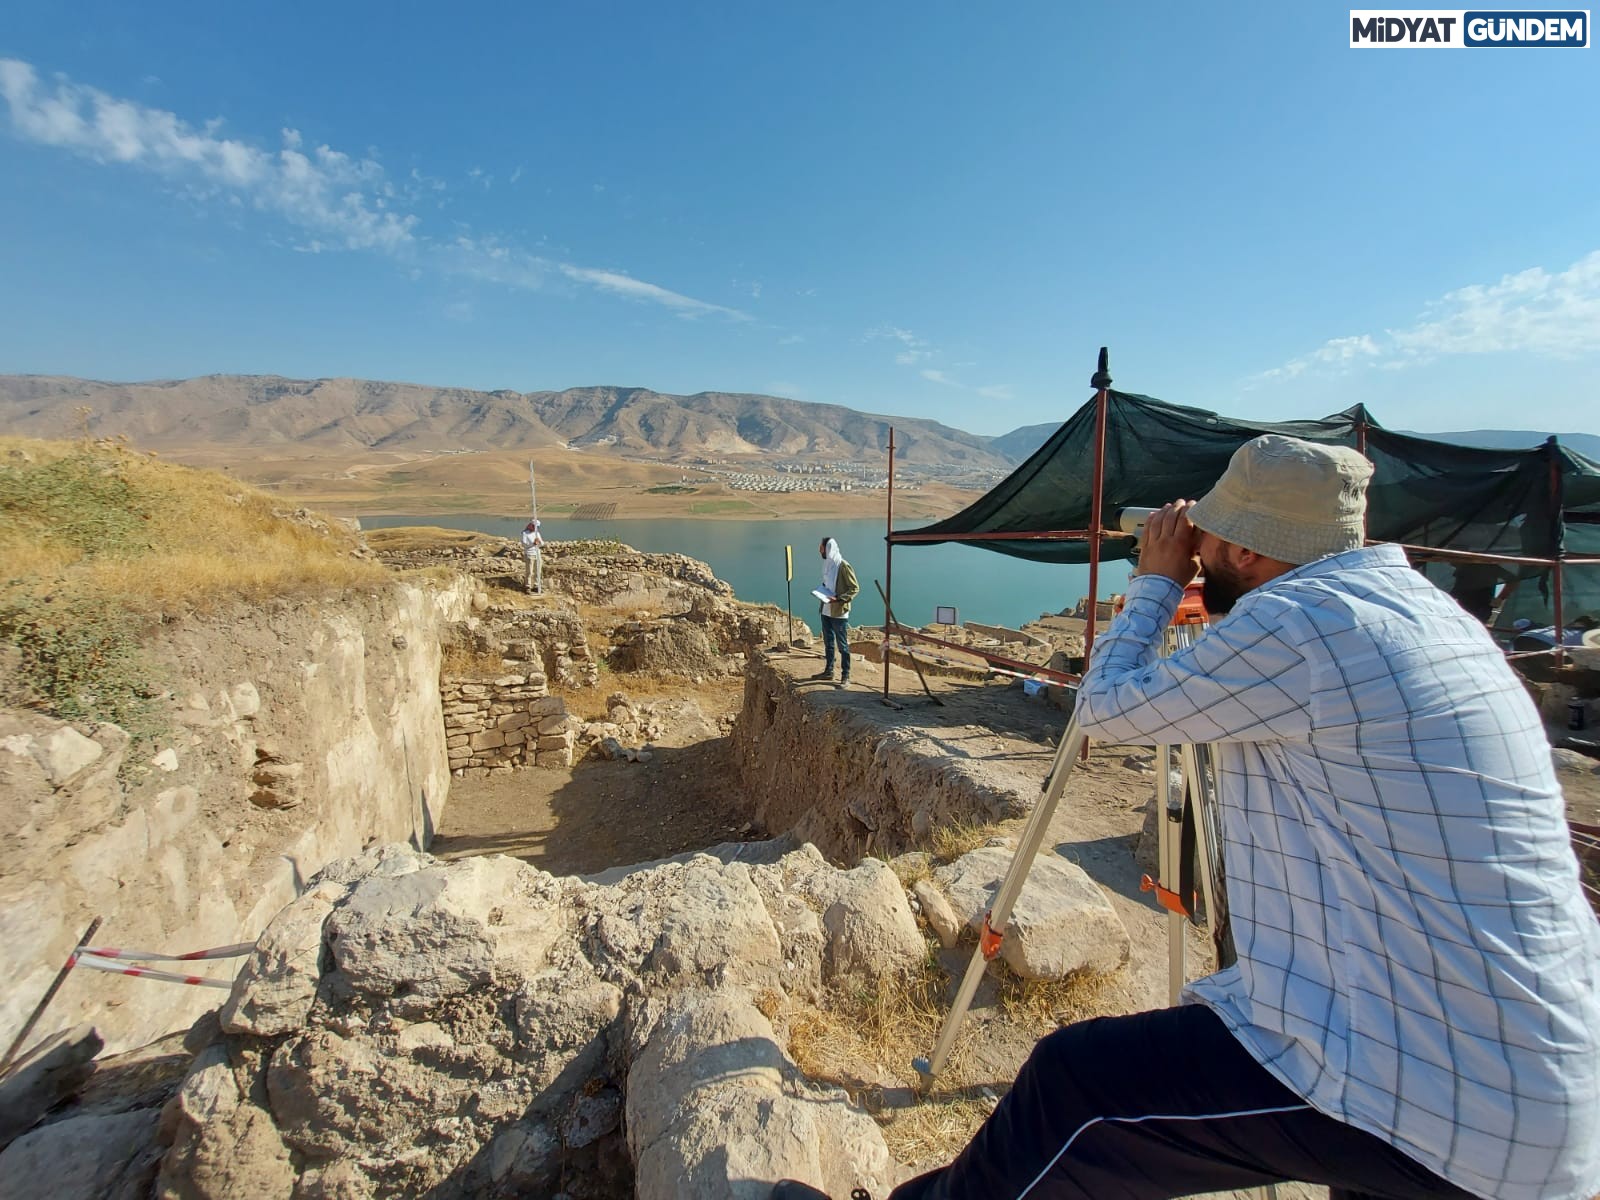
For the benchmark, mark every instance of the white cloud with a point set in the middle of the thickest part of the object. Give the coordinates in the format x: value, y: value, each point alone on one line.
x: 1554, y: 315
x: 638, y: 289
x: 338, y: 202
x: 1337, y: 354
x: 933, y: 376
x: 996, y: 391
x: 916, y: 350
x: 1532, y: 311
x: 324, y: 192
x: 791, y: 339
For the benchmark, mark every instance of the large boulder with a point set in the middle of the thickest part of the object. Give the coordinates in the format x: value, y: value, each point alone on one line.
x: 1061, y: 924
x: 871, y: 932
x: 104, y: 1156
x: 684, y: 923
x: 412, y: 1028
x: 718, y: 1111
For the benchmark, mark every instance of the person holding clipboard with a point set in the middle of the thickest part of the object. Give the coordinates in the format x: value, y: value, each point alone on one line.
x: 839, y: 587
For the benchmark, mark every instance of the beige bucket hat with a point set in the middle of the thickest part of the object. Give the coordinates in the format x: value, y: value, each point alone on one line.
x: 1290, y: 500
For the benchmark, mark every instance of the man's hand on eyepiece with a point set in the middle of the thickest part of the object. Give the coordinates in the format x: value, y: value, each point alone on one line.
x: 1170, y: 545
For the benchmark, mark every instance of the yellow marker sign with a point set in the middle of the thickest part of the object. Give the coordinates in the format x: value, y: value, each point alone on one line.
x: 788, y: 562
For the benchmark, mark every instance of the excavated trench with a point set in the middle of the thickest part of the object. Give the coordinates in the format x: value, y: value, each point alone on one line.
x: 838, y: 768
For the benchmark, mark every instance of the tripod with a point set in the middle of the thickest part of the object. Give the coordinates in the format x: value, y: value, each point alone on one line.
x: 1197, y: 839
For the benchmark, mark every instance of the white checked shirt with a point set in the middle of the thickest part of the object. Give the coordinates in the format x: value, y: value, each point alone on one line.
x: 1415, y: 954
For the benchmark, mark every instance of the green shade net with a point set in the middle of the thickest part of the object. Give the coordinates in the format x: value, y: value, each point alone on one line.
x: 1423, y: 493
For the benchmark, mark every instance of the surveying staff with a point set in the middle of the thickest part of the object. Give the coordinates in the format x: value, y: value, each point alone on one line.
x: 838, y: 582
x: 533, y: 550
x: 1415, y: 1009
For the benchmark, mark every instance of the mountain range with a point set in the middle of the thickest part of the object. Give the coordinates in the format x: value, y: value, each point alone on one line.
x: 341, y: 415
x: 345, y: 415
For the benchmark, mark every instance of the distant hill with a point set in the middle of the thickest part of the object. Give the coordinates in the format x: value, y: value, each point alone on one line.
x: 1586, y: 444
x: 345, y: 414
x: 1020, y: 443
x: 266, y: 411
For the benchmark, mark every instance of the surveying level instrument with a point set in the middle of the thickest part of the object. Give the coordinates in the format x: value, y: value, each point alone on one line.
x: 1199, y: 828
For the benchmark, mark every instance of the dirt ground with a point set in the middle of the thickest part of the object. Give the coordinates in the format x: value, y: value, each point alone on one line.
x: 604, y: 814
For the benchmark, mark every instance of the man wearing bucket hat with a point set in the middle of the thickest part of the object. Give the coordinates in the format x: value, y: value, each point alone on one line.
x: 1415, y: 1006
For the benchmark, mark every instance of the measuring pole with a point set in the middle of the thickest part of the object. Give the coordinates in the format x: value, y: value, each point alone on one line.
x: 1101, y: 382
x: 533, y: 491
x: 788, y: 593
x: 888, y: 565
x: 1552, y: 450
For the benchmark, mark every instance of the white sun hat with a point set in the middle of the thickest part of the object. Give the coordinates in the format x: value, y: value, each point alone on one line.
x: 1290, y: 500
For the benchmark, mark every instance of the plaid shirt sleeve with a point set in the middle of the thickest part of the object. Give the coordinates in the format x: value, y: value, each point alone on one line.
x: 1240, y: 682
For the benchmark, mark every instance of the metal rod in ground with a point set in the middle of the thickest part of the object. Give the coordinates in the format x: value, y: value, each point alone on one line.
x: 889, y: 618
x: 44, y: 1002
x: 1167, y: 848
x: 1017, y: 875
x: 888, y: 566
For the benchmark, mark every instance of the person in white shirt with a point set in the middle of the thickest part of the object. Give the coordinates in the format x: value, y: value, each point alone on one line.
x: 532, y: 549
x: 1414, y: 1011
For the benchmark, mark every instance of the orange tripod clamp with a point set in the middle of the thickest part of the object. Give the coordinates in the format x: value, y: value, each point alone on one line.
x: 1166, y: 897
x: 1191, y: 609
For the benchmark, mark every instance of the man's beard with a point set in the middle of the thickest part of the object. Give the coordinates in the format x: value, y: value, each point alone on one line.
x: 1221, y: 589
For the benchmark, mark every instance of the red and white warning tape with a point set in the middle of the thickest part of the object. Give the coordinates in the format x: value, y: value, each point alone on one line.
x: 111, y: 958
x: 106, y: 964
x: 237, y: 950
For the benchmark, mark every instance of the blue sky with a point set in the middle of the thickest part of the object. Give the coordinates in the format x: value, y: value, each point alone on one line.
x: 931, y: 209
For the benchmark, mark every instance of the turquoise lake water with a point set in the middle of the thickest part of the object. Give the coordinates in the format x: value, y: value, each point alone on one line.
x: 983, y: 586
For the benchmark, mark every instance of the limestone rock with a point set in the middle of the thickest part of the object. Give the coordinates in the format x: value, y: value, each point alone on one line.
x: 47, y: 1075
x: 64, y: 753
x: 1061, y: 924
x: 942, y: 918
x: 439, y: 931
x: 717, y: 1110
x: 871, y: 932
x: 686, y: 923
x: 273, y: 993
x: 594, y: 1115
x: 103, y: 1156
x: 1572, y: 761
x: 225, y: 1144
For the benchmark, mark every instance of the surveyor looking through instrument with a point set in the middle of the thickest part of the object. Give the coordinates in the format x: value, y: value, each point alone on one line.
x: 1414, y: 1011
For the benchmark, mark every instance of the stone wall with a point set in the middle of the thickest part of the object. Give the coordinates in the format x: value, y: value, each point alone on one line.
x: 1002, y: 634
x: 500, y: 724
x: 295, y: 733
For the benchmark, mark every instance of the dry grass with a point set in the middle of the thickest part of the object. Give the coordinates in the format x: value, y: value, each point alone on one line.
x: 150, y: 538
x: 461, y: 661
x: 864, y: 1040
x: 1044, y: 1004
x: 950, y: 842
x: 416, y: 539
x: 97, y: 543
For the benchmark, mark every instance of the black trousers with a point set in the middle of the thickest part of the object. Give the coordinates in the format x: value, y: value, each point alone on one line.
x: 1163, y: 1104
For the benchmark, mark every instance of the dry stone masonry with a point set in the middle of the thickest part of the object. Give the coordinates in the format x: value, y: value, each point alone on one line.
x: 505, y: 722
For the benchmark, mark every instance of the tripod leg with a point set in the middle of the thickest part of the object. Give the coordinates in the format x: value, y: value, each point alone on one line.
x: 1167, y: 871
x: 1010, y: 888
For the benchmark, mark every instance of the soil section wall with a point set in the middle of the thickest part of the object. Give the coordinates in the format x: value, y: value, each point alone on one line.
x: 836, y: 768
x: 296, y: 734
